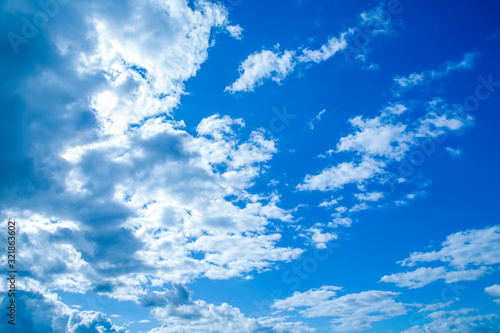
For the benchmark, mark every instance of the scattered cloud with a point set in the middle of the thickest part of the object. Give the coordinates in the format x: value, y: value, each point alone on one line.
x: 235, y: 31
x: 457, y: 321
x: 325, y: 52
x: 262, y: 65
x: 467, y: 256
x: 271, y: 65
x: 350, y: 312
x: 318, y: 237
x: 310, y: 123
x: 437, y: 306
x: 416, y: 79
x: 182, y: 314
x: 372, y: 196
x: 345, y: 173
x: 455, y: 153
x: 331, y: 203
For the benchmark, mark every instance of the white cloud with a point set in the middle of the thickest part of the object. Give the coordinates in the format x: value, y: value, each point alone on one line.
x: 372, y: 196
x: 381, y: 141
x: 235, y: 31
x: 308, y: 298
x: 318, y: 237
x: 325, y: 52
x: 267, y: 64
x: 442, y: 118
x: 377, y: 18
x: 454, y: 153
x: 345, y: 173
x: 120, y: 170
x: 44, y: 312
x: 179, y: 313
x: 457, y: 321
x: 437, y: 306
x: 91, y: 321
x: 359, y: 207
x: 468, y: 255
x: 472, y: 247
x: 350, y: 312
x: 341, y: 221
x: 416, y: 79
x: 422, y: 276
x: 279, y: 324
x: 397, y: 109
x: 145, y: 78
x: 494, y: 291
x: 310, y: 123
x: 377, y: 137
x: 341, y: 209
x: 328, y: 204
x: 217, y: 127
x: 262, y: 65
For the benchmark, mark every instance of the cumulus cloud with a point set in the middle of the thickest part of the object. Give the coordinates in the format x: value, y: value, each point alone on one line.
x: 235, y: 31
x: 494, y: 291
x: 318, y: 237
x: 44, y: 312
x: 91, y: 321
x: 179, y: 313
x: 101, y: 161
x: 377, y: 137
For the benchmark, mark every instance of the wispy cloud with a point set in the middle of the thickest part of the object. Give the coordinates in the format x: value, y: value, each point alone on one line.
x: 424, y: 77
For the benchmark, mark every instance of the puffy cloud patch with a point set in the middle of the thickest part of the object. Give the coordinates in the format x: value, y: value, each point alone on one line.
x: 262, y: 65
x: 494, y: 291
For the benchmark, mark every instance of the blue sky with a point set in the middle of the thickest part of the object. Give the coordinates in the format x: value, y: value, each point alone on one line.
x: 251, y: 166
